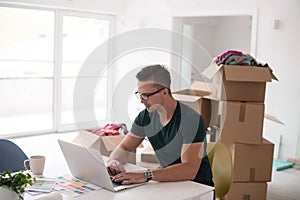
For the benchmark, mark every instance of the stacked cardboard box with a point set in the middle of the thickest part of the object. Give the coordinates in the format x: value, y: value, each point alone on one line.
x: 234, y: 102
x: 148, y: 157
x: 241, y: 94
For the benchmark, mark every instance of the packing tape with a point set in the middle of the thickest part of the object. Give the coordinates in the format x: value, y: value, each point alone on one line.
x: 242, y: 111
x: 50, y: 196
x: 246, y: 196
x: 252, y: 174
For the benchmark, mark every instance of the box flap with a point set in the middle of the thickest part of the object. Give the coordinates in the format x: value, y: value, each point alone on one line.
x: 202, y: 86
x: 265, y: 141
x: 273, y: 76
x: 110, y: 142
x: 274, y: 119
x: 211, y: 70
x: 247, y: 73
x: 188, y: 98
x: 194, y: 92
x: 86, y: 139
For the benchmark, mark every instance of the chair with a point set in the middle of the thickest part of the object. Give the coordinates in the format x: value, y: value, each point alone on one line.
x: 11, y: 156
x: 221, y: 164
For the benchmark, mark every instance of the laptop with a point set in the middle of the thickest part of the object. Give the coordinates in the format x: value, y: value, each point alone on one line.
x: 88, y: 165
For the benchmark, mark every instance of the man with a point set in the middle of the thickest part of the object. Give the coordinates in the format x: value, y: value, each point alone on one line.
x: 175, y: 131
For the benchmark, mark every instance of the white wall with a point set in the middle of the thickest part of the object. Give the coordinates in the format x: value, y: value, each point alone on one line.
x: 145, y: 14
x: 217, y: 35
x: 279, y: 48
x: 238, y: 32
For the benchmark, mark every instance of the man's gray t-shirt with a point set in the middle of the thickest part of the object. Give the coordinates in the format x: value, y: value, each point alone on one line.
x: 185, y: 127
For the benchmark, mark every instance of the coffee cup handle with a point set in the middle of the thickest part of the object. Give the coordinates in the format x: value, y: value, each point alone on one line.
x: 25, y: 165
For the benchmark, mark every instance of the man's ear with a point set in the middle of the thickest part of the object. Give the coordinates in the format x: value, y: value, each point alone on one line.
x: 166, y: 91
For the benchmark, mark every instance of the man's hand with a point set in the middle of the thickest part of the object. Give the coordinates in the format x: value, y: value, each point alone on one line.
x: 114, y: 167
x: 127, y: 178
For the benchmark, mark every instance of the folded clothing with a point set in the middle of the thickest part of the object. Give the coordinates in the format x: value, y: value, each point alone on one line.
x: 111, y: 129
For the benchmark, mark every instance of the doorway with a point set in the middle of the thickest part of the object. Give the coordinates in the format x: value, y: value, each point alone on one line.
x: 215, y: 34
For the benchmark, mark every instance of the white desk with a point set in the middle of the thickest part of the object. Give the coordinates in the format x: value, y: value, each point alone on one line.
x: 153, y: 190
x: 149, y: 191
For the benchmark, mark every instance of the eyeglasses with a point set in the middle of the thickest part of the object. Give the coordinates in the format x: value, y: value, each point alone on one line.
x: 146, y: 96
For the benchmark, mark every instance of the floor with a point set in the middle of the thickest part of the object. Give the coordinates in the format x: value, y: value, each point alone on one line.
x: 283, y: 186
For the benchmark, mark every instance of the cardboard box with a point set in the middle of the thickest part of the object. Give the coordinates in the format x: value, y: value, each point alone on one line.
x: 148, y: 165
x: 148, y: 154
x: 247, y: 191
x: 241, y: 122
x: 252, y: 163
x: 197, y: 99
x: 240, y: 83
x: 103, y: 144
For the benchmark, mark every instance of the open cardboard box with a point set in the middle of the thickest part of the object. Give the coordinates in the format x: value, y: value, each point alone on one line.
x: 198, y: 98
x: 239, y: 83
x: 103, y: 144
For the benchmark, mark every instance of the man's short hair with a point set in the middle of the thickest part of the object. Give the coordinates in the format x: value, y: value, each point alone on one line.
x: 156, y: 73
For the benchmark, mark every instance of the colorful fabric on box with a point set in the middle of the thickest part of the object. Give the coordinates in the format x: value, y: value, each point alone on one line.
x: 241, y: 60
x: 232, y: 57
x: 111, y: 129
x: 225, y: 54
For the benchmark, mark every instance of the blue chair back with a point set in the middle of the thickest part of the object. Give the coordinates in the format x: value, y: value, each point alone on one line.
x: 11, y: 156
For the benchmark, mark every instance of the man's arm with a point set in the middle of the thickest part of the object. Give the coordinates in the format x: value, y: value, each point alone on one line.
x: 121, y: 153
x: 130, y: 142
x: 191, y: 157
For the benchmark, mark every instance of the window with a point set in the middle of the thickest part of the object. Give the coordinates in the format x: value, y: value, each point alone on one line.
x: 41, y: 52
x: 81, y: 35
x: 26, y: 65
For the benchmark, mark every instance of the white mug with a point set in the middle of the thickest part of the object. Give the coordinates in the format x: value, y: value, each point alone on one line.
x: 36, y: 163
